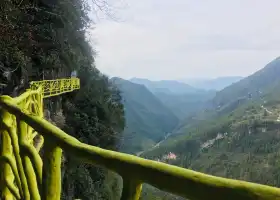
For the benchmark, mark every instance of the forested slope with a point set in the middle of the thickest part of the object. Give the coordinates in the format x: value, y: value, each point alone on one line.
x: 240, y: 141
x: 180, y: 98
x: 147, y: 118
x: 184, y: 105
x: 253, y: 86
x: 47, y: 40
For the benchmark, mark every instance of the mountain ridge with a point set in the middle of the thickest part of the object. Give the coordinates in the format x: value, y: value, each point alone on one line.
x: 218, y: 83
x: 250, y: 86
x: 243, y: 141
x: 147, y: 119
x: 168, y: 86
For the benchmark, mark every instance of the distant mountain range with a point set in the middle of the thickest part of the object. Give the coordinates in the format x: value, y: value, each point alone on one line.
x: 155, y: 108
x: 213, y: 84
x: 183, y: 105
x: 185, y: 86
x: 167, y: 86
x: 181, y: 98
x: 148, y: 120
x: 227, y: 126
x: 263, y: 85
x: 236, y: 134
x: 253, y: 86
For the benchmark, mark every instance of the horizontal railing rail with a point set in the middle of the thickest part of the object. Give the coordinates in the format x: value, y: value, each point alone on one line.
x: 134, y: 170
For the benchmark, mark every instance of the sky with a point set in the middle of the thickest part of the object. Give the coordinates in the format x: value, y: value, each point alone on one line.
x: 186, y: 39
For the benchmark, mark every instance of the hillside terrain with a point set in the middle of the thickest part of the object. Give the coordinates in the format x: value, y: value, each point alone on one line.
x: 47, y: 40
x: 182, y: 99
x: 262, y: 85
x: 229, y: 126
x: 237, y: 136
x: 183, y: 105
x: 147, y: 119
x: 152, y: 113
x: 253, y: 86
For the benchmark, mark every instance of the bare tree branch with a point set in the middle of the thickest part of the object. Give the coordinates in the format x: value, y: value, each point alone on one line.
x: 105, y: 8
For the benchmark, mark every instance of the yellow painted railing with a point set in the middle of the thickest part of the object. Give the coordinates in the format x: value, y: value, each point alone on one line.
x: 56, y: 87
x: 27, y: 175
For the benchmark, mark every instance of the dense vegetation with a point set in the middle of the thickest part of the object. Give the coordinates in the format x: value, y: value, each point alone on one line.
x: 147, y: 119
x: 253, y: 86
x: 95, y: 116
x: 239, y: 139
x: 184, y: 105
x: 47, y: 40
x: 235, y: 134
x: 180, y: 98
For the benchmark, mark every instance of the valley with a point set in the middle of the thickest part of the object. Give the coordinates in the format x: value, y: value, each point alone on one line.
x: 154, y: 109
x: 89, y: 87
x: 148, y: 120
x: 233, y: 132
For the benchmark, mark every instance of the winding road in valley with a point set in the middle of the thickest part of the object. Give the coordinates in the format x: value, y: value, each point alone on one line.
x: 155, y: 146
x: 270, y: 112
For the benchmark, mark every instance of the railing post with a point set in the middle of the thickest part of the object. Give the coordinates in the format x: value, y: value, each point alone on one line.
x: 6, y: 171
x: 51, y: 171
x: 131, y: 189
x: 33, y: 187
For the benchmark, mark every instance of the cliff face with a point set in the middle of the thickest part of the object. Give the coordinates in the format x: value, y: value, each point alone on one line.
x: 40, y: 41
x: 46, y: 40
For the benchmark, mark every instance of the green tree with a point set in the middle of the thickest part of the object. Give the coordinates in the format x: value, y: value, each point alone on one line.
x: 47, y: 40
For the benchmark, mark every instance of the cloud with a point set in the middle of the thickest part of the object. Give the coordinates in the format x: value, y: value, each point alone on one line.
x: 163, y: 39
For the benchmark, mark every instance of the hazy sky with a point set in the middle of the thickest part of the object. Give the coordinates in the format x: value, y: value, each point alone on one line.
x: 164, y: 39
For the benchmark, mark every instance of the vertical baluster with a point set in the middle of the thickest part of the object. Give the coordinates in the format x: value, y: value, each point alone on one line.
x: 72, y: 84
x: 50, y: 87
x: 51, y: 171
x: 65, y: 85
x: 15, y: 156
x: 31, y: 108
x: 131, y: 189
x: 15, y: 143
x: 56, y: 87
x: 61, y: 86
x: 6, y: 171
x: 27, y: 165
x: 7, y: 175
x: 42, y: 88
x: 39, y: 102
